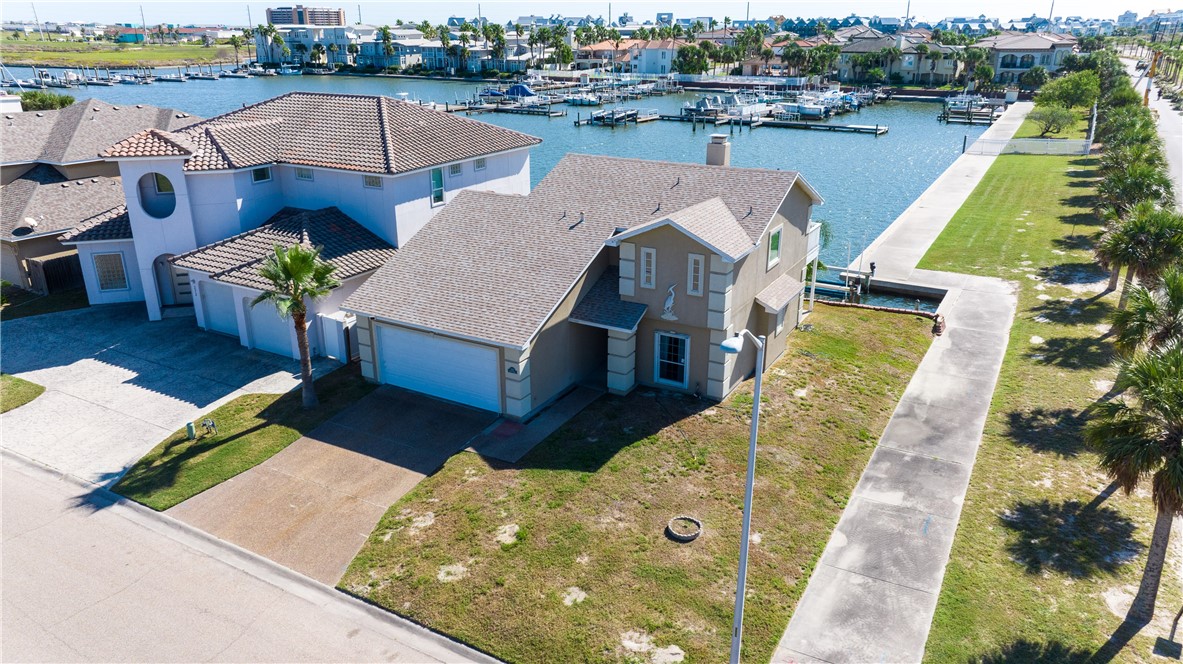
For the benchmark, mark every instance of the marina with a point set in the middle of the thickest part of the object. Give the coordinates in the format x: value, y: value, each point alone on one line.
x: 868, y: 182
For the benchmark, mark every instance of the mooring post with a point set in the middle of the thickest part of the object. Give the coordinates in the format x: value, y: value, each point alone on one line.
x: 964, y: 143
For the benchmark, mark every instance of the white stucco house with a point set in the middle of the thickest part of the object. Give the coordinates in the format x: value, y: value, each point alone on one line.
x: 204, y: 206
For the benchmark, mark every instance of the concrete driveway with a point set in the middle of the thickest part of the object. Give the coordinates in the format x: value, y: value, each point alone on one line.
x: 312, y: 506
x: 117, y: 384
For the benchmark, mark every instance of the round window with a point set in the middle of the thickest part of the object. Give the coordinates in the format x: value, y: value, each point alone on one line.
x: 157, y: 196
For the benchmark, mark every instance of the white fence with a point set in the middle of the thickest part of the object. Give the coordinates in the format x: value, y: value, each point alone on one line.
x: 1055, y: 146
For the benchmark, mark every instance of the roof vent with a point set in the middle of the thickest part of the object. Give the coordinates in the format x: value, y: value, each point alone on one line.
x: 139, y: 105
x: 677, y: 182
x: 619, y: 229
x: 114, y: 108
x: 572, y: 226
x: 40, y: 115
x: 656, y: 209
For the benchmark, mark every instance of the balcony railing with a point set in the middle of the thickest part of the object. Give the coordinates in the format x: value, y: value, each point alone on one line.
x: 813, y: 241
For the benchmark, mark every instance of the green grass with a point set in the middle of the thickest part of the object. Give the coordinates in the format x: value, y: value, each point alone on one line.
x: 106, y: 54
x: 251, y: 429
x: 20, y: 303
x: 1039, y: 548
x: 1078, y: 131
x: 16, y: 392
x: 592, y: 502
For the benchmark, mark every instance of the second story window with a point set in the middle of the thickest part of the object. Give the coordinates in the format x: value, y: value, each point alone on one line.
x: 304, y: 173
x: 648, y: 267
x: 694, y: 274
x: 774, y: 247
x: 479, y: 164
x: 371, y: 181
x: 437, y: 186
x: 455, y: 169
x: 163, y: 186
x: 261, y: 174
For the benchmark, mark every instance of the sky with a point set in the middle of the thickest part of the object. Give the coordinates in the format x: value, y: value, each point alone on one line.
x: 378, y: 13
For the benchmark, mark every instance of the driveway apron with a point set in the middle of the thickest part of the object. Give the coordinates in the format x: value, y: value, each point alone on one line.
x: 312, y: 506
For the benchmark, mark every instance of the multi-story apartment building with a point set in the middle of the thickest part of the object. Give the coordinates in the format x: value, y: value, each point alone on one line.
x: 301, y: 15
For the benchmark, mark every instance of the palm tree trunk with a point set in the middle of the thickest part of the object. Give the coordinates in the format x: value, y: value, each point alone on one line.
x: 1126, y: 287
x: 1113, y: 277
x: 308, y: 388
x: 1142, y: 608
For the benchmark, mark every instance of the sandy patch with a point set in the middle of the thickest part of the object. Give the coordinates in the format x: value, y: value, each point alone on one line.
x: 1034, y: 277
x: 583, y: 559
x: 573, y: 596
x: 667, y: 655
x: 507, y: 534
x: 421, y: 523
x: 639, y: 643
x: 1102, y: 386
x: 450, y: 573
x: 803, y: 392
x: 1044, y: 296
x: 756, y: 538
x: 1020, y: 230
x: 1037, y: 340
x: 1102, y: 328
x: 1041, y: 319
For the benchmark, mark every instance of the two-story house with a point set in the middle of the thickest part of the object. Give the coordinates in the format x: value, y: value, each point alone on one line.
x: 1012, y: 54
x: 206, y: 205
x: 52, y: 179
x: 619, y: 272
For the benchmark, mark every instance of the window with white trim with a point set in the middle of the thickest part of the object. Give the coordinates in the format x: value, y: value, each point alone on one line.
x: 694, y: 274
x: 774, y: 246
x: 371, y: 181
x: 780, y: 320
x: 671, y: 359
x: 437, y: 186
x: 163, y: 185
x: 304, y: 173
x: 648, y: 267
x: 110, y: 271
x: 480, y: 164
x: 455, y: 169
x: 261, y: 174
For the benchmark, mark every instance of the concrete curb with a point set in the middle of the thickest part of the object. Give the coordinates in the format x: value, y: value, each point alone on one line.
x: 264, y: 569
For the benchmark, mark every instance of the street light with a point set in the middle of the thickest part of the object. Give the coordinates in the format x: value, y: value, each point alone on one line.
x: 733, y: 346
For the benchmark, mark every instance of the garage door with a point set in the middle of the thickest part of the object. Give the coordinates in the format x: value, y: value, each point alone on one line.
x: 442, y: 367
x: 269, y: 332
x: 217, y: 301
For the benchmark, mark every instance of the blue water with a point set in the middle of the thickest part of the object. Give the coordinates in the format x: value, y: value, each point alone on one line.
x: 867, y: 181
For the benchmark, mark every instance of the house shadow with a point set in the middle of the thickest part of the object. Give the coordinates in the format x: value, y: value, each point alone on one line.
x: 1070, y: 538
x: 1073, y: 353
x: 597, y: 434
x: 1033, y: 652
x: 1056, y: 431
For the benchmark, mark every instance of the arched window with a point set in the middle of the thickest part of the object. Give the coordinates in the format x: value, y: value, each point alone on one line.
x: 157, y: 196
x: 1027, y: 61
x: 1008, y: 62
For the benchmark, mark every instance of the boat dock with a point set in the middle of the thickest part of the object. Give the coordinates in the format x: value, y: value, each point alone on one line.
x: 469, y: 109
x: 876, y: 130
x: 610, y: 117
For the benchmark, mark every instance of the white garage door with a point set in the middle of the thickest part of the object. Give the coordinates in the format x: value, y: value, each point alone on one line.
x: 217, y: 301
x: 269, y: 332
x: 442, y: 367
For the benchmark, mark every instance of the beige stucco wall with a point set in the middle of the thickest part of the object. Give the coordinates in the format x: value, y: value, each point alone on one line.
x: 564, y: 353
x: 90, y: 169
x: 14, y: 171
x: 15, y: 253
x: 673, y: 252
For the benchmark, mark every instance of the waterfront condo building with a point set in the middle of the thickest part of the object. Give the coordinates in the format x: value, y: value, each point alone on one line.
x: 301, y: 15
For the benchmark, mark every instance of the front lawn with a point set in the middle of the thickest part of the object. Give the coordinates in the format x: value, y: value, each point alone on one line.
x: 251, y: 429
x: 1080, y: 130
x: 16, y: 392
x: 19, y: 303
x: 1044, y: 556
x: 562, y: 558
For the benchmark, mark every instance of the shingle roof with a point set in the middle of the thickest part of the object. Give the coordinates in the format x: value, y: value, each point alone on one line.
x: 709, y: 222
x: 502, y: 283
x: 345, y: 244
x: 53, y: 202
x: 779, y: 293
x: 602, y: 306
x: 79, y: 132
x: 353, y: 132
x: 1025, y: 41
x: 107, y: 226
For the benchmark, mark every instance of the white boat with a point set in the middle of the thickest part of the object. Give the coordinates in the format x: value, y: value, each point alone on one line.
x: 744, y: 105
x: 583, y: 99
x: 237, y: 73
x: 289, y: 70
x: 964, y: 102
x: 172, y: 78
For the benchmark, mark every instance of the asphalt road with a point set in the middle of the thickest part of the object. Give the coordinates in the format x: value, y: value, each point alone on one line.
x: 89, y: 578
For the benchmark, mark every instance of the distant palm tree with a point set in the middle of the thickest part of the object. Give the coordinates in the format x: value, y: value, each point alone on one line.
x: 921, y: 54
x: 236, y: 42
x: 1147, y: 243
x: 333, y: 49
x: 296, y: 276
x: 1140, y: 437
x: 353, y: 50
x: 1154, y: 317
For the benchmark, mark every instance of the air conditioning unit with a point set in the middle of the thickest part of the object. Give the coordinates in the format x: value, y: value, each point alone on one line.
x: 340, y: 339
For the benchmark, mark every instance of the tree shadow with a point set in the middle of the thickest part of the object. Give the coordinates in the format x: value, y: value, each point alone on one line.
x: 1043, y: 430
x: 1033, y: 652
x: 1075, y: 242
x: 1082, y: 219
x: 1080, y: 311
x: 1080, y: 182
x: 1086, y: 162
x: 1073, y: 353
x: 1069, y: 538
x: 1080, y: 201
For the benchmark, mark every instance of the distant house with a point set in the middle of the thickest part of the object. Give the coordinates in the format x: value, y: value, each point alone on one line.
x: 52, y: 179
x: 937, y: 65
x: 204, y: 205
x: 1011, y: 54
x: 570, y: 284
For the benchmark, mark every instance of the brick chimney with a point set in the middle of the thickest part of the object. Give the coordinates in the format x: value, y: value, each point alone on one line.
x: 718, y: 151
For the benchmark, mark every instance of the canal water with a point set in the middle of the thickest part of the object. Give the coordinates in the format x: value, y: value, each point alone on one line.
x: 867, y: 181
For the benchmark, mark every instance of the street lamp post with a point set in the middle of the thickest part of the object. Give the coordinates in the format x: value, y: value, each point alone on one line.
x: 733, y: 346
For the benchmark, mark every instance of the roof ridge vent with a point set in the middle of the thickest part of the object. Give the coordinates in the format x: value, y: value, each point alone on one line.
x: 572, y: 226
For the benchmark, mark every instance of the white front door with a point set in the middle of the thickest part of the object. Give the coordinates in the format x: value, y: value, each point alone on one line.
x: 671, y: 359
x: 441, y: 366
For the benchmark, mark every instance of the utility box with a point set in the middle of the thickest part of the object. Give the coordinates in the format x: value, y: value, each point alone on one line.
x: 1012, y: 95
x: 340, y: 340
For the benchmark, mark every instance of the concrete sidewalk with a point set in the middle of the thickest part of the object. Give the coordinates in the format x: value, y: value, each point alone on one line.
x: 873, y: 594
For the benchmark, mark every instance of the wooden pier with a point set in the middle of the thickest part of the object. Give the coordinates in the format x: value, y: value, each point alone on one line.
x: 469, y: 109
x: 610, y: 117
x: 876, y: 130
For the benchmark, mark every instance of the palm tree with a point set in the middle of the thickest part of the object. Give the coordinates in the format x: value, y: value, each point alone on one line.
x: 766, y: 54
x: 318, y: 52
x: 1154, y: 318
x: 1121, y: 157
x: 277, y: 42
x: 444, y: 36
x: 921, y: 54
x: 333, y: 49
x: 236, y: 43
x: 1138, y: 182
x: 297, y: 276
x: 248, y: 38
x: 1146, y: 243
x: 890, y: 55
x: 353, y: 50
x: 1141, y: 437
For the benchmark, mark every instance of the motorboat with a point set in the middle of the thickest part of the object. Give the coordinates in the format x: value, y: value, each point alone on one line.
x: 289, y: 70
